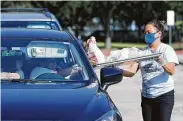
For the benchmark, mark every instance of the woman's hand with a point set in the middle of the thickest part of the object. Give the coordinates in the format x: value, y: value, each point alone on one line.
x: 161, y: 60
x: 168, y: 67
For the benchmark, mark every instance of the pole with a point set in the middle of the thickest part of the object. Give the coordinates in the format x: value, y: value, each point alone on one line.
x: 170, y: 35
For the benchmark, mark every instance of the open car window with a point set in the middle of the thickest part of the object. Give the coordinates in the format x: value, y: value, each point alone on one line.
x: 41, y: 60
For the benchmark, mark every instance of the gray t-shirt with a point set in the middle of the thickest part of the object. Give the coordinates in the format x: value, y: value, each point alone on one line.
x: 155, y: 80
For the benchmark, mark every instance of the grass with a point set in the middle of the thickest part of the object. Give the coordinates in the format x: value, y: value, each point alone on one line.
x: 121, y: 45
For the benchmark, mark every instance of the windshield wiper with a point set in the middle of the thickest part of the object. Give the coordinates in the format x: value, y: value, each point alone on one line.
x: 43, y: 81
x: 26, y: 80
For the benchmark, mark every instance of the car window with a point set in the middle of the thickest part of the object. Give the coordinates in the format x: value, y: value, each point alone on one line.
x: 30, y: 24
x: 41, y: 60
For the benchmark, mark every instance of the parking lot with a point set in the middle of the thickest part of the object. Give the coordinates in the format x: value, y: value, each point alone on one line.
x: 126, y: 96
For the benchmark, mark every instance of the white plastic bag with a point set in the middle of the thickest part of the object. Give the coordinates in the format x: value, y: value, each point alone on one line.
x: 118, y: 55
x: 115, y: 55
x: 92, y: 48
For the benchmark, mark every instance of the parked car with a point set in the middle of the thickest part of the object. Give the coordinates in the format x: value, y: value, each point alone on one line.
x: 46, y: 75
x: 29, y: 18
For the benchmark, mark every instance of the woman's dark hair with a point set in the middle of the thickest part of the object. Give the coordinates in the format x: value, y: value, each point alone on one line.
x: 160, y: 25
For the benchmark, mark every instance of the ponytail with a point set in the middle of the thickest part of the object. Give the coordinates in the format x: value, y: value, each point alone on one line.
x: 160, y: 25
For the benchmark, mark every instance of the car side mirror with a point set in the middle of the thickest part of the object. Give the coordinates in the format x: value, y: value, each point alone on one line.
x: 110, y: 76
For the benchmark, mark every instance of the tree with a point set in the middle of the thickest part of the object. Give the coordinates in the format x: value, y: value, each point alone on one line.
x: 76, y: 14
x: 176, y: 6
x: 142, y: 12
x: 126, y: 12
x: 72, y: 14
x: 16, y: 4
x: 105, y: 10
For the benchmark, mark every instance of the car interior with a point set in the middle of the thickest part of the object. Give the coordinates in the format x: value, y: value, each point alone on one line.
x: 39, y: 55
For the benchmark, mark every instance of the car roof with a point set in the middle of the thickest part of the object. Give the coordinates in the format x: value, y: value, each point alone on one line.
x: 34, y: 33
x: 26, y: 16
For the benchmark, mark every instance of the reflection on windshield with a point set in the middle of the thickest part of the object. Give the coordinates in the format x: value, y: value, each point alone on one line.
x: 41, y: 60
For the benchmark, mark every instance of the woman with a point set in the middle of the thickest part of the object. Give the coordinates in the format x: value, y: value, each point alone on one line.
x: 157, y: 76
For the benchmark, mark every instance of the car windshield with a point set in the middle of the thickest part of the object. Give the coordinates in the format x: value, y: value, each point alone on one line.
x: 41, y: 60
x: 30, y: 24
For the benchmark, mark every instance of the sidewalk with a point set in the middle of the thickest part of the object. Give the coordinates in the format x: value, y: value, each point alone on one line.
x: 180, y: 56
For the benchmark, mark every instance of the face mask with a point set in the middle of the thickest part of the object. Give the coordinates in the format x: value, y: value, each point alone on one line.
x: 150, y: 38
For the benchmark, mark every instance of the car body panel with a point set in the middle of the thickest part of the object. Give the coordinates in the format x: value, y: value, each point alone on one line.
x: 40, y: 102
x: 47, y: 100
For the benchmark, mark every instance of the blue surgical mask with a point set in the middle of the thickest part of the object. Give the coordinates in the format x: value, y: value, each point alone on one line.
x: 150, y: 38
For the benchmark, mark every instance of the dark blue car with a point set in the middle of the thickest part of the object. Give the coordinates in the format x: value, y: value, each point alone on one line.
x: 40, y: 18
x: 46, y: 75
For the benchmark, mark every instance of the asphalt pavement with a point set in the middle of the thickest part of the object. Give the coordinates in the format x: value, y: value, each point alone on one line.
x: 127, y: 98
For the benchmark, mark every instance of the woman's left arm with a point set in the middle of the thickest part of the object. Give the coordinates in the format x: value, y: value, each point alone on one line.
x: 169, y: 60
x: 169, y: 68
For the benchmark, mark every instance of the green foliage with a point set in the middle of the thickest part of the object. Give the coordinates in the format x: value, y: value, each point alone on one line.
x: 179, y: 25
x: 16, y: 4
x: 177, y: 6
x: 77, y: 14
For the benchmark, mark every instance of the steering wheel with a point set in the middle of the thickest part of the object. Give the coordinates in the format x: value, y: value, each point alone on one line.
x: 51, y: 76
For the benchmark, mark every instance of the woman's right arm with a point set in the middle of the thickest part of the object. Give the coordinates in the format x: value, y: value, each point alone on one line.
x: 131, y: 69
